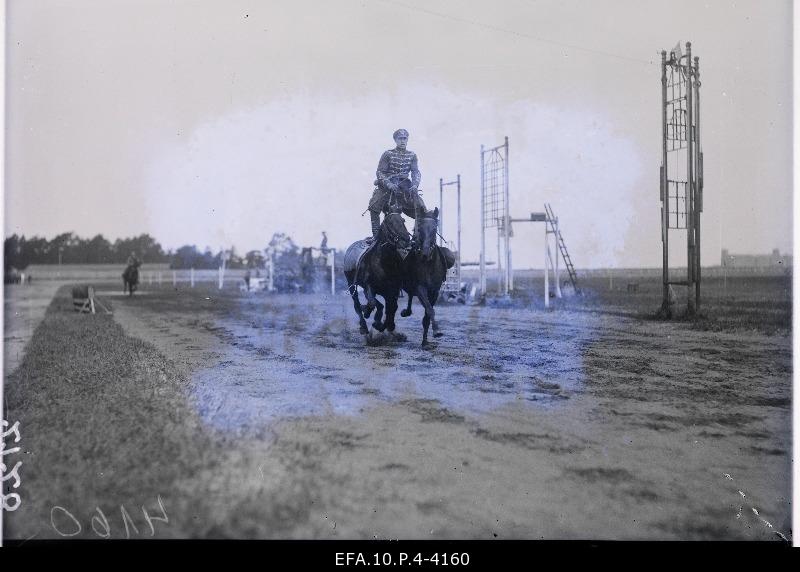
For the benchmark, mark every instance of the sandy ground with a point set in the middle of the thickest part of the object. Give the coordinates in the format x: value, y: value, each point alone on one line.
x: 520, y: 424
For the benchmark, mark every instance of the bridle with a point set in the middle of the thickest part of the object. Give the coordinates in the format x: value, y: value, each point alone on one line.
x: 393, y: 238
x: 417, y: 247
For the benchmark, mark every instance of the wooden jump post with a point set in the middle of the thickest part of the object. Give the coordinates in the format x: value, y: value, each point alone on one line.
x: 84, y: 300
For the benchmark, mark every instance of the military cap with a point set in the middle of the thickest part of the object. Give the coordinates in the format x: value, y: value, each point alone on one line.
x: 400, y: 133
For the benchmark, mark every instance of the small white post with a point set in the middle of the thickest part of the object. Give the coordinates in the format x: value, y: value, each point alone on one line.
x: 546, y: 270
x: 557, y: 236
x: 191, y: 276
x: 271, y: 271
x: 510, y: 270
x: 332, y: 254
x: 174, y: 278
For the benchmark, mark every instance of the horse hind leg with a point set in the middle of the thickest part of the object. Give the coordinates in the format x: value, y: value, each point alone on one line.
x: 362, y: 323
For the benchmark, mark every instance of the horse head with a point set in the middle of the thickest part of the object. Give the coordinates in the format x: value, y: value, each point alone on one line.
x: 427, y: 225
x: 394, y: 232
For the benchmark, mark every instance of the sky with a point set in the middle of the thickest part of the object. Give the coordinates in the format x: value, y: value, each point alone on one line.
x: 220, y: 123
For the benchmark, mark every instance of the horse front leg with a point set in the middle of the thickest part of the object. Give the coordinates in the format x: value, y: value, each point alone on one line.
x: 407, y: 312
x: 430, y: 314
x: 391, y: 310
x: 435, y: 325
x: 371, y: 302
x: 378, y: 321
x: 426, y: 321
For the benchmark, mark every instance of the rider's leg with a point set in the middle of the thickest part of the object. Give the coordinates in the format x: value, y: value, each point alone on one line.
x: 375, y: 219
x: 376, y: 204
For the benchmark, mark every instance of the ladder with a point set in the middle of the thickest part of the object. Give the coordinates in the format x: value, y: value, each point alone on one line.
x: 452, y: 282
x: 552, y: 224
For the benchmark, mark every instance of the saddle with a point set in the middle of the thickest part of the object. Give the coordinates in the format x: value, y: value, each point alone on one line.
x: 354, y: 254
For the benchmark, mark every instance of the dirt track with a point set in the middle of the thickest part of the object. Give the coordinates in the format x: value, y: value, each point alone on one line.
x: 520, y: 424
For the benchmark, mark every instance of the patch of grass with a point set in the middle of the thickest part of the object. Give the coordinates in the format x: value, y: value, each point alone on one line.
x: 105, y: 422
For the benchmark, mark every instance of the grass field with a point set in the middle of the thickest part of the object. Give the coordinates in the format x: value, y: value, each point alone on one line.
x: 743, y: 302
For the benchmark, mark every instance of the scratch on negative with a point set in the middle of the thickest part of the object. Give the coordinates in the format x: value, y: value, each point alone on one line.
x: 762, y: 519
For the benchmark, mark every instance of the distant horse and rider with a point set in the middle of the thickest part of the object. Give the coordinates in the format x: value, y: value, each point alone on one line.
x: 130, y: 277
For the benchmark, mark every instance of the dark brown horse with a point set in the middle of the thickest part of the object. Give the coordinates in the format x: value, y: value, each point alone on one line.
x: 130, y: 278
x: 425, y: 270
x: 377, y: 268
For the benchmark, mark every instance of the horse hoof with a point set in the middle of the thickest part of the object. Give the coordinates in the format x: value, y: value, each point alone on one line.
x: 378, y: 326
x: 428, y: 346
x: 437, y: 334
x: 405, y: 313
x: 399, y: 337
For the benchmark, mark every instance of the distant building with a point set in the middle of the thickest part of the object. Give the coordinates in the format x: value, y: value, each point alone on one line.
x: 776, y: 259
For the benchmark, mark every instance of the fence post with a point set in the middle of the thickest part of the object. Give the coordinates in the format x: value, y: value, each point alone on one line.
x: 333, y: 271
x: 546, y: 270
x: 271, y: 271
x: 557, y: 252
x: 191, y: 276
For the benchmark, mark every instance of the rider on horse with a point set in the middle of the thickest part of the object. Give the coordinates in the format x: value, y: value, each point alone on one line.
x: 133, y: 261
x: 394, y: 169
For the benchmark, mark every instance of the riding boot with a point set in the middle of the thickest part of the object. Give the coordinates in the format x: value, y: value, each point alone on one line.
x: 376, y: 223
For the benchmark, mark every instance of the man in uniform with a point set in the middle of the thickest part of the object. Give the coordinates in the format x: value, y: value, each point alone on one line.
x: 133, y: 260
x: 395, y: 168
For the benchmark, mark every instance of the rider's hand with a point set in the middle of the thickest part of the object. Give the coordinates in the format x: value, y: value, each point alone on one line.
x: 391, y: 186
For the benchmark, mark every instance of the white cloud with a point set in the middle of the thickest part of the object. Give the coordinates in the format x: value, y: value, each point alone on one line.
x: 306, y: 164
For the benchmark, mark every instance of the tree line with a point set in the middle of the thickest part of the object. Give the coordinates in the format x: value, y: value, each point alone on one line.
x: 68, y: 248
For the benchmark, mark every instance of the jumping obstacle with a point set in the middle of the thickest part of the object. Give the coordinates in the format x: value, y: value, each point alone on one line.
x: 681, y: 189
x: 314, y: 267
x: 452, y: 283
x: 84, y: 300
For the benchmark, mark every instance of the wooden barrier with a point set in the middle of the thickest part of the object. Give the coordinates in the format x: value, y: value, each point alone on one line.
x: 84, y: 300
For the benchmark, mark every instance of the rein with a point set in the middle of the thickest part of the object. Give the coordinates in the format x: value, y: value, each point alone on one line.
x: 391, y: 237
